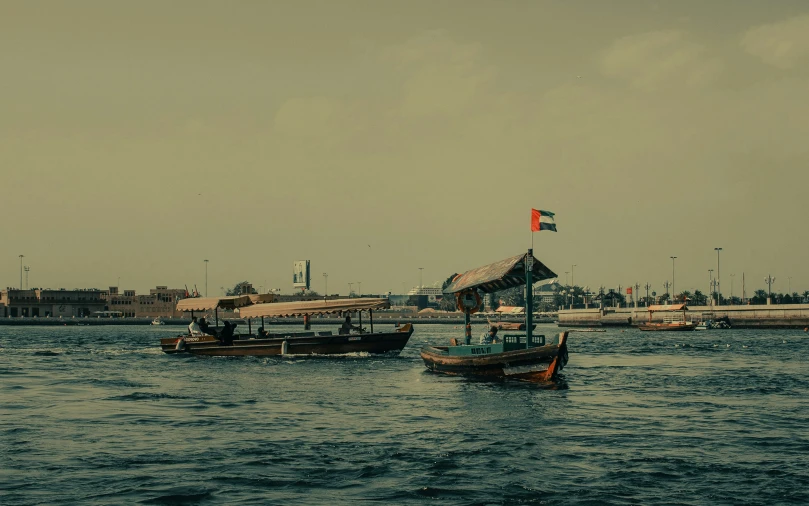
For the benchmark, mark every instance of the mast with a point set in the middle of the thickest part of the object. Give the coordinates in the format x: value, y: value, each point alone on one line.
x: 529, y: 296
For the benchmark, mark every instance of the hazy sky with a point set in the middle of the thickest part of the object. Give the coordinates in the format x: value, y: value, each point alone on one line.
x: 373, y: 138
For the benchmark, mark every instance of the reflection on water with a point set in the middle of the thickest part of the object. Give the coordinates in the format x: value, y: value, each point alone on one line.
x: 98, y: 415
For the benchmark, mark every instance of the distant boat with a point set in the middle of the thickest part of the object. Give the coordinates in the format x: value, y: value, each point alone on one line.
x: 586, y: 330
x: 670, y: 323
x: 158, y: 321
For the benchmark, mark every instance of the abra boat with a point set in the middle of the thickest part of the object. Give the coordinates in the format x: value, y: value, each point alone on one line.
x: 673, y: 322
x: 158, y: 321
x: 290, y: 343
x: 519, y: 356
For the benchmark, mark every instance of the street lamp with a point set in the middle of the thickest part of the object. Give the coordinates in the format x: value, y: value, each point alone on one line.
x: 718, y: 286
x: 350, y: 289
x: 359, y: 288
x: 27, y: 286
x: 769, y: 280
x: 710, y: 285
x: 21, y: 257
x: 571, y: 275
x: 731, y: 287
x: 672, y: 277
x: 326, y: 288
x: 206, y: 277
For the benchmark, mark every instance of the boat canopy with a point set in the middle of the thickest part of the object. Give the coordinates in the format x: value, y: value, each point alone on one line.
x: 670, y: 307
x: 208, y: 303
x: 498, y: 276
x: 261, y: 298
x: 312, y: 307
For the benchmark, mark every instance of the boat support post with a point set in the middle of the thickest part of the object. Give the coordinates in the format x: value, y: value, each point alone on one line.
x: 371, y: 317
x: 359, y: 315
x: 249, y: 327
x: 529, y: 297
x: 216, y: 315
x: 467, y: 320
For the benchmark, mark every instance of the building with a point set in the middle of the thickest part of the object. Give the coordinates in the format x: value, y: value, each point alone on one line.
x: 47, y: 303
x: 160, y: 303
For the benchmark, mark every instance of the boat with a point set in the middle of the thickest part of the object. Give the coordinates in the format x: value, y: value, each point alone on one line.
x: 524, y: 357
x: 510, y: 325
x: 158, y: 321
x: 672, y: 322
x: 709, y: 323
x: 586, y: 330
x: 290, y: 343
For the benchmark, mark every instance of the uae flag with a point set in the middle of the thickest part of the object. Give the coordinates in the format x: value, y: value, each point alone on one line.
x: 542, y: 220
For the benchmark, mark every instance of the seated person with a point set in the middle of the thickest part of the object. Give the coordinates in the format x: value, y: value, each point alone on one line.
x: 261, y: 332
x: 205, y: 328
x: 227, y: 333
x: 193, y: 327
x: 490, y: 337
x: 347, y: 327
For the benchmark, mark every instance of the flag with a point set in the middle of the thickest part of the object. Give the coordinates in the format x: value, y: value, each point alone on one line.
x: 542, y: 220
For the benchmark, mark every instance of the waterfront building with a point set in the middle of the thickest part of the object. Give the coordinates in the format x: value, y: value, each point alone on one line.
x: 161, y: 302
x: 47, y: 303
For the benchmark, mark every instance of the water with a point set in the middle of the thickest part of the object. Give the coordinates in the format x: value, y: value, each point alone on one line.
x: 98, y: 415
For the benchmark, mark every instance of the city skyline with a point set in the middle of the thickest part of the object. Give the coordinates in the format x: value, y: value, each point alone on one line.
x: 140, y: 139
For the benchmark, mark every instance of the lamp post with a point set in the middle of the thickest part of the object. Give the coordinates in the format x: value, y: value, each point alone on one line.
x: 672, y: 277
x: 21, y: 257
x: 667, y: 285
x: 710, y: 285
x: 718, y: 286
x: 359, y: 288
x: 326, y: 286
x: 350, y: 289
x: 571, y: 275
x: 731, y: 287
x: 647, y: 286
x: 206, y: 277
x: 769, y: 280
x: 27, y: 286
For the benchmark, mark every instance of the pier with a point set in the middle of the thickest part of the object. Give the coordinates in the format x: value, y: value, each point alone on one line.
x: 782, y: 316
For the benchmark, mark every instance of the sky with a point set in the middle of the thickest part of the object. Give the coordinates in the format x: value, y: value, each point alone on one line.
x: 374, y: 138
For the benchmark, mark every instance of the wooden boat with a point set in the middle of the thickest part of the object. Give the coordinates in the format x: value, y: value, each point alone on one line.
x: 511, y: 325
x: 291, y: 343
x: 519, y: 356
x: 670, y: 323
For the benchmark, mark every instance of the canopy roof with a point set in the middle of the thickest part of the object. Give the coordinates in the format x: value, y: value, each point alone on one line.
x: 208, y: 303
x: 671, y: 307
x: 498, y: 276
x: 510, y: 309
x: 312, y: 307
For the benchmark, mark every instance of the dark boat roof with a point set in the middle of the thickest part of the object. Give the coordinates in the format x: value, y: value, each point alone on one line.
x: 499, y: 276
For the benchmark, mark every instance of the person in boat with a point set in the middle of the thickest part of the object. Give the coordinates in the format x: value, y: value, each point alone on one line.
x: 261, y: 332
x: 205, y: 328
x: 193, y: 327
x: 490, y: 337
x: 227, y: 333
x: 347, y: 327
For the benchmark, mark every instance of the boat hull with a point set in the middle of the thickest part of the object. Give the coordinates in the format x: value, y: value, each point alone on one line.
x: 376, y: 343
x: 668, y: 328
x: 511, y: 326
x: 539, y: 364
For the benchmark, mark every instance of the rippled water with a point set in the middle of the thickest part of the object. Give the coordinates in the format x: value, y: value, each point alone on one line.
x: 98, y: 415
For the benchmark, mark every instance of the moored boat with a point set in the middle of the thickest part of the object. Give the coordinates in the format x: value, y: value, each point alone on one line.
x: 672, y: 323
x: 358, y: 340
x: 517, y: 356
